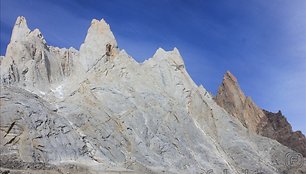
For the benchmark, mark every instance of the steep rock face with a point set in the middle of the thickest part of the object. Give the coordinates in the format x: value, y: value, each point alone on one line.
x: 265, y: 123
x: 99, y: 43
x: 32, y: 131
x: 113, y: 114
x: 232, y: 99
x: 30, y: 62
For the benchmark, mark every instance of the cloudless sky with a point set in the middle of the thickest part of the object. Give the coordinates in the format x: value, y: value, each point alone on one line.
x: 262, y: 42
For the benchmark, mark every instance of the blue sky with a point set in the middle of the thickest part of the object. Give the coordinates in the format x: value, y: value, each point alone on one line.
x: 262, y: 42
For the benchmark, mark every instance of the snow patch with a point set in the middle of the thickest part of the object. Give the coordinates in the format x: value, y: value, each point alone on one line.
x: 58, y: 91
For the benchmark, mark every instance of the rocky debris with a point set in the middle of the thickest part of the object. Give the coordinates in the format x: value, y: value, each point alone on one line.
x: 10, y: 162
x: 10, y: 165
x: 109, y: 113
x: 265, y: 123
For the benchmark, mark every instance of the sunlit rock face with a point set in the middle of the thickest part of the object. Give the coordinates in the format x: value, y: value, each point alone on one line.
x: 265, y: 123
x: 97, y: 110
x: 29, y: 62
x: 99, y: 44
x: 231, y: 98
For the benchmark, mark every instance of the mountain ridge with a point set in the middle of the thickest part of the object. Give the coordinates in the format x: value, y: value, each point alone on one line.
x: 99, y: 109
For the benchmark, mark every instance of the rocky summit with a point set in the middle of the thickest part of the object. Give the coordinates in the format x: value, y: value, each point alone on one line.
x: 257, y: 120
x: 97, y: 110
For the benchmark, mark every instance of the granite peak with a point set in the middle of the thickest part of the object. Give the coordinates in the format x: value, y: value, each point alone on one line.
x: 97, y: 110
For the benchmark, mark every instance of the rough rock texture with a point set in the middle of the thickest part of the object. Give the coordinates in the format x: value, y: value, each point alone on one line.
x: 232, y: 99
x: 277, y: 127
x: 29, y: 62
x: 99, y: 43
x: 30, y: 127
x: 265, y: 123
x: 111, y: 114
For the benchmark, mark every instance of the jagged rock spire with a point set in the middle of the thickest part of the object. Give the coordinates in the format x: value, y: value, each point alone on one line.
x: 20, y: 30
x: 174, y: 56
x: 121, y: 115
x: 30, y: 62
x: 99, y: 42
x: 229, y: 94
x: 234, y: 101
x: 99, y: 31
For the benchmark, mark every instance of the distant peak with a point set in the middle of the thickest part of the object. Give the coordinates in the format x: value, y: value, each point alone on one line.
x: 100, y: 30
x: 21, y: 22
x: 99, y: 25
x: 159, y: 53
x: 230, y: 80
x: 20, y: 29
x: 175, y: 50
x: 229, y: 95
x: 229, y: 75
x: 162, y: 51
x: 230, y: 84
x: 173, y: 55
